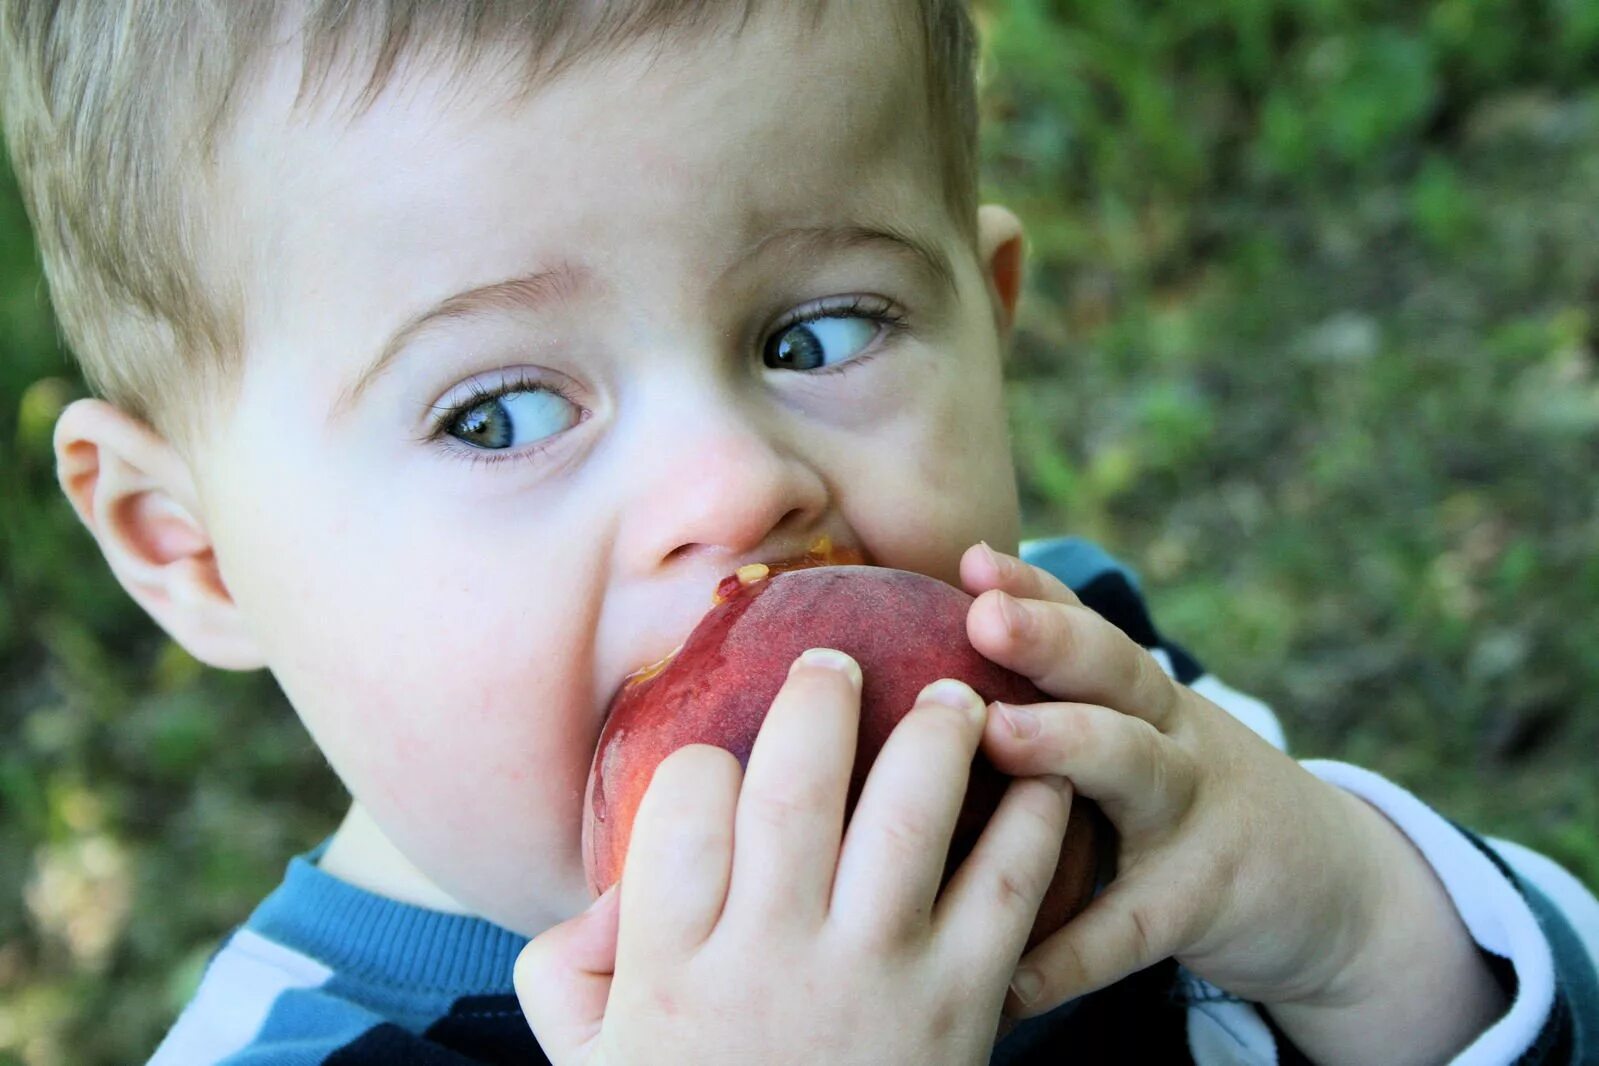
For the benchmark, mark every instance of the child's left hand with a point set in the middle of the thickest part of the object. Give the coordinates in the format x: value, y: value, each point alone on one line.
x: 1252, y: 872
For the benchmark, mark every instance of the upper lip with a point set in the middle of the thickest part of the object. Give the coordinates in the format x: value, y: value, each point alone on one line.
x: 792, y: 560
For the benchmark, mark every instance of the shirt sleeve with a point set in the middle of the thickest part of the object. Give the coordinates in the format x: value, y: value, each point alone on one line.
x: 1536, y: 924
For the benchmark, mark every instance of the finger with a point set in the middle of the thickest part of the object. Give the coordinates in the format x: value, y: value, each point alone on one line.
x: 791, y: 810
x: 563, y: 978
x: 983, y: 568
x: 680, y: 856
x: 993, y: 898
x: 1140, y: 777
x: 1122, y: 931
x: 899, y: 835
x: 1071, y: 653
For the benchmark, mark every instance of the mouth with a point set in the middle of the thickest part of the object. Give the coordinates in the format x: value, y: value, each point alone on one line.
x: 822, y: 552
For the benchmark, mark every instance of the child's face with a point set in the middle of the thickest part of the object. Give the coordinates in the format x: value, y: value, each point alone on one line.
x: 451, y: 621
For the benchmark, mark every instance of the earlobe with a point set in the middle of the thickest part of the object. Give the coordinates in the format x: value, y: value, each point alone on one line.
x: 137, y: 497
x: 1001, y: 245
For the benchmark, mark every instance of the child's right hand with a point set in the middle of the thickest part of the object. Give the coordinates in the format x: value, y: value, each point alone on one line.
x: 746, y: 933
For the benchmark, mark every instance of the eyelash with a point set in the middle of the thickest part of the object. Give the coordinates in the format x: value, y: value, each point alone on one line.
x: 890, y: 323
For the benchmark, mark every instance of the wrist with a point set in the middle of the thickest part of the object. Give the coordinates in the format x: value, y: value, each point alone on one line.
x: 1407, y: 973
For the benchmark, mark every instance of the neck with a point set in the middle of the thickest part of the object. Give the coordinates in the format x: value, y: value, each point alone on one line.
x: 362, y: 855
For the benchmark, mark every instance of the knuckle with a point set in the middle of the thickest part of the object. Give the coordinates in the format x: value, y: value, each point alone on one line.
x: 1145, y: 933
x: 1066, y: 736
x: 885, y: 934
x: 1150, y: 752
x: 1072, y: 968
x: 674, y: 827
x: 1182, y: 776
x: 779, y: 806
x: 1018, y: 892
x: 1064, y: 637
x: 1043, y: 585
x: 906, y: 832
x: 1141, y: 668
x: 697, y: 841
x: 1152, y: 679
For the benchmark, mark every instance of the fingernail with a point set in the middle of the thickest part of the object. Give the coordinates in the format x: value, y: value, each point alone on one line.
x: 1013, y: 614
x: 829, y: 659
x: 993, y: 558
x: 956, y: 694
x: 1023, y: 723
x: 1027, y: 984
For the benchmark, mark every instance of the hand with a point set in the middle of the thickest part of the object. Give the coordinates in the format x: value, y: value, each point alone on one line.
x: 1236, y: 860
x: 745, y: 931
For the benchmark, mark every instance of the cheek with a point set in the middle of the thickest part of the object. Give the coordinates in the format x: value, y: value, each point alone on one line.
x: 442, y: 665
x: 962, y: 444
x: 456, y: 674
x: 940, y: 477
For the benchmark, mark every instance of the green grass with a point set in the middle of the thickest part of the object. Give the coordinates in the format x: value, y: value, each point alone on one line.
x: 1309, y: 341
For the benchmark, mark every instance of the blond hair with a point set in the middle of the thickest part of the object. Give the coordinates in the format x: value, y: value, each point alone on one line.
x: 113, y: 110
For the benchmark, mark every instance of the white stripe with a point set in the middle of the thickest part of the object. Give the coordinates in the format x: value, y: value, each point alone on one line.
x: 240, y: 986
x: 1229, y: 1033
x: 1494, y: 913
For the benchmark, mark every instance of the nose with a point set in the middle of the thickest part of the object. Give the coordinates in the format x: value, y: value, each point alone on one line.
x: 714, y: 476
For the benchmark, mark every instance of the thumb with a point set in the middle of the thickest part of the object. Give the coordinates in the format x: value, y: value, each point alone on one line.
x: 563, y: 977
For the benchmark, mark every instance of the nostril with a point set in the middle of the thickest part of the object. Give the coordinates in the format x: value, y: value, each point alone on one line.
x: 681, y: 552
x: 795, y: 516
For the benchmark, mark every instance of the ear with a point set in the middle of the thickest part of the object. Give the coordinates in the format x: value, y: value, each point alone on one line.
x: 1000, y: 243
x: 134, y: 491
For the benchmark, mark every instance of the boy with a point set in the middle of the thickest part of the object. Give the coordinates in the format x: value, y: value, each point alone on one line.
x: 450, y: 402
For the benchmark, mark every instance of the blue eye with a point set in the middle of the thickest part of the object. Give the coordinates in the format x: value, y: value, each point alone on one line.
x: 511, y: 419
x: 823, y: 341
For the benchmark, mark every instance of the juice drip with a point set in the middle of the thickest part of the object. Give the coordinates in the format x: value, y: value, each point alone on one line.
x: 821, y: 553
x: 645, y: 673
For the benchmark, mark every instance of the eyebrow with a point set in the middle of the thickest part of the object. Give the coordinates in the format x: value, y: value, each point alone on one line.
x: 530, y: 291
x: 522, y: 293
x: 925, y: 255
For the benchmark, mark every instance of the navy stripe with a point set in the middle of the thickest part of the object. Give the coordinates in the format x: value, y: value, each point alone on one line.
x: 1141, y: 1018
x: 1113, y: 596
x: 481, y: 1030
x: 490, y: 1029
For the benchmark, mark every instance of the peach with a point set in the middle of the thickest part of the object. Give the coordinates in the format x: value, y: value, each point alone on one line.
x: 906, y: 630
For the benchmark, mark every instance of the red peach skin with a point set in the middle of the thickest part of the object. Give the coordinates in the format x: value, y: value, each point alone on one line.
x: 906, y: 630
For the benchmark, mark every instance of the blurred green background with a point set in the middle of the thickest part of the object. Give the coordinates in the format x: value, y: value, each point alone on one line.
x: 1310, y: 341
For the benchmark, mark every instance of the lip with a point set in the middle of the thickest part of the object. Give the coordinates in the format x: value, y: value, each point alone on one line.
x: 822, y: 552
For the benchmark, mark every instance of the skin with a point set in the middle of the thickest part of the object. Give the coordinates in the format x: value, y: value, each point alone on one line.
x: 451, y: 631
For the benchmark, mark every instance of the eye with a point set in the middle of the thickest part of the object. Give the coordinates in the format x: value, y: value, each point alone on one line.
x: 825, y: 340
x: 516, y: 417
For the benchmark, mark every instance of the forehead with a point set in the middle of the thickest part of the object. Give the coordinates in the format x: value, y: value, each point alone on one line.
x: 793, y: 118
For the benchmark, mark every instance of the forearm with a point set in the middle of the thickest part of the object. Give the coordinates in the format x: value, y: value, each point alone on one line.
x: 1418, y: 991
